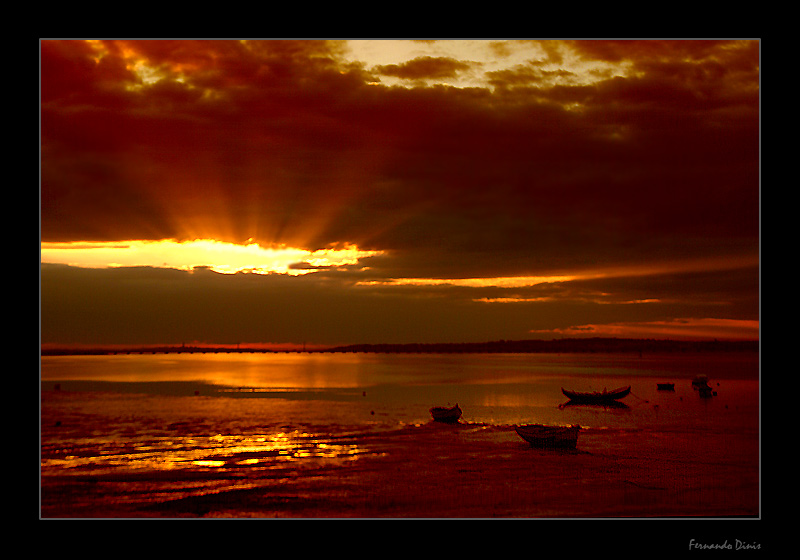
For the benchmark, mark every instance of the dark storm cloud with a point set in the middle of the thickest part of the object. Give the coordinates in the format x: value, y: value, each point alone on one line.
x: 425, y: 67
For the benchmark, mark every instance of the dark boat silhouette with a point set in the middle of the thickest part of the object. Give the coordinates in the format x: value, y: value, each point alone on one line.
x: 556, y: 437
x: 449, y: 415
x: 700, y: 383
x: 597, y: 397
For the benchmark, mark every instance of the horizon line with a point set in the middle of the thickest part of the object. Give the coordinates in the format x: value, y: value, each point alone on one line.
x: 493, y: 346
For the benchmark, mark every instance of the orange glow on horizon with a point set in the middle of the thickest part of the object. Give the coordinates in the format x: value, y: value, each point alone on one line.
x: 685, y: 329
x: 614, y: 271
x: 187, y: 347
x: 496, y: 282
x: 221, y: 257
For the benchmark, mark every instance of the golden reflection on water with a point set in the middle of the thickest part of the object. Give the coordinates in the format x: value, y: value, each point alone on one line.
x: 274, y: 371
x: 205, y: 452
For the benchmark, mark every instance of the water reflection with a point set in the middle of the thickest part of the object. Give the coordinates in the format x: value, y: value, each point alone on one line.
x: 185, y: 452
x: 278, y: 371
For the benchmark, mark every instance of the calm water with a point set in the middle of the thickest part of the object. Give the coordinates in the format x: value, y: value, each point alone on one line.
x: 200, y: 415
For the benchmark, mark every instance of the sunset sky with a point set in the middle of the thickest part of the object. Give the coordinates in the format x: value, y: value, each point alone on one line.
x: 338, y: 192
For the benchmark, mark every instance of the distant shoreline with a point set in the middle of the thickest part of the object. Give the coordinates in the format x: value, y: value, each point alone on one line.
x: 564, y: 345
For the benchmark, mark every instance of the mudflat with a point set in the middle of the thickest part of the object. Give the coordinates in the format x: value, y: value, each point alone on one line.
x: 435, y: 471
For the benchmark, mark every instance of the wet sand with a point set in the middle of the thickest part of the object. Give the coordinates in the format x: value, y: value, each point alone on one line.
x: 434, y: 471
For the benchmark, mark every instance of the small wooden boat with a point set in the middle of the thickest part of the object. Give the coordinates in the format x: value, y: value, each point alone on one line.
x: 700, y: 381
x: 666, y: 386
x: 707, y: 392
x: 539, y: 435
x: 449, y: 415
x: 597, y: 397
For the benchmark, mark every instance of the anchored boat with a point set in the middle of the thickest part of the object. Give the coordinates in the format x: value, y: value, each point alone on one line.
x: 597, y: 397
x: 449, y: 415
x: 539, y: 435
x: 700, y: 383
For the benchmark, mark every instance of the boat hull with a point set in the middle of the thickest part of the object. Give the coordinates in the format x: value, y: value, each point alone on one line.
x: 597, y: 397
x: 549, y: 437
x: 707, y: 392
x: 700, y: 381
x: 447, y: 415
